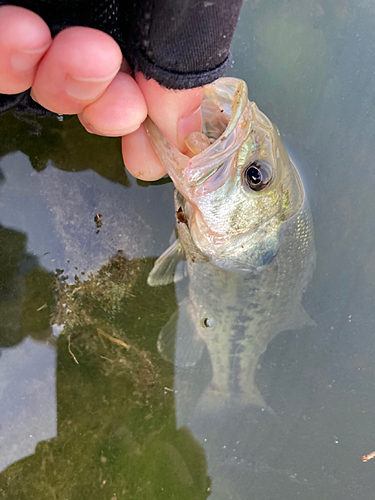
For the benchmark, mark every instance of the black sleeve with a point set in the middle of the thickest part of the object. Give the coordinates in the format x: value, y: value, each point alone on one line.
x: 180, y: 43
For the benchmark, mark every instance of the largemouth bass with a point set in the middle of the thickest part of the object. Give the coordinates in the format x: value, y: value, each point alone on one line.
x: 245, y: 241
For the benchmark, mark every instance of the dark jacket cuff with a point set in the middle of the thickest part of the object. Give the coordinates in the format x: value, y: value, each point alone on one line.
x: 180, y: 43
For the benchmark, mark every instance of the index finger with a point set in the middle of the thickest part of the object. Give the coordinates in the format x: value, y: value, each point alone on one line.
x: 24, y: 39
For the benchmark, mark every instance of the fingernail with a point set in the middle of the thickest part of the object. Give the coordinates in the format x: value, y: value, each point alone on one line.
x: 27, y: 59
x: 22, y: 62
x: 86, y: 89
x: 107, y: 132
x: 188, y: 124
x: 88, y: 126
x: 91, y: 130
x: 39, y: 49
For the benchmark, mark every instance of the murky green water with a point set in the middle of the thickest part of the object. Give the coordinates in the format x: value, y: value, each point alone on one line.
x: 82, y: 416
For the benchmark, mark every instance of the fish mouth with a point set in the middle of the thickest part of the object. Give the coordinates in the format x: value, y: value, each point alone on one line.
x: 226, y: 121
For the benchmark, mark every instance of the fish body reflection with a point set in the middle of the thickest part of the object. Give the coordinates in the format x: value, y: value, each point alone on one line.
x: 245, y: 242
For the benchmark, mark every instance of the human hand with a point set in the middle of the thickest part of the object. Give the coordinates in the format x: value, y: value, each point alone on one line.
x: 77, y: 72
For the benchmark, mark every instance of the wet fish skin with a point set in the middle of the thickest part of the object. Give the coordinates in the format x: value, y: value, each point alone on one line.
x: 231, y: 224
x: 246, y: 311
x: 239, y: 298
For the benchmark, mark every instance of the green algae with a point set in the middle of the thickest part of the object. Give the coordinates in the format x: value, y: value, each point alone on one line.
x: 117, y: 435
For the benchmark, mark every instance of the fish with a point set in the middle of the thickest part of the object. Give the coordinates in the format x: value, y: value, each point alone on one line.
x: 245, y: 244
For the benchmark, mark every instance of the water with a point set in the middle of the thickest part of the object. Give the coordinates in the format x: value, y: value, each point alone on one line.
x: 81, y: 416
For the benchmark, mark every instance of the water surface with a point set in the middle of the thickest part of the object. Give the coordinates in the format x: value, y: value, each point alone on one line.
x: 82, y: 416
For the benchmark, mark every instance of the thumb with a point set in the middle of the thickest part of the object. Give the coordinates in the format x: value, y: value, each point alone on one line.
x: 176, y: 113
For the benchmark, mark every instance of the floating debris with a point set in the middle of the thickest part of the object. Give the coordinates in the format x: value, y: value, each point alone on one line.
x: 371, y: 455
x: 98, y: 220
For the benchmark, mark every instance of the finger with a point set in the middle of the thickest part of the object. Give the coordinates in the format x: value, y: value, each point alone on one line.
x: 140, y: 157
x: 175, y: 112
x: 24, y: 39
x: 119, y: 111
x: 77, y: 69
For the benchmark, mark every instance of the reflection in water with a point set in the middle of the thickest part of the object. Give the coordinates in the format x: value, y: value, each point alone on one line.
x: 117, y: 436
x: 27, y: 399
x: 26, y: 296
x: 48, y: 141
x: 27, y: 369
x: 309, y: 65
x: 116, y: 431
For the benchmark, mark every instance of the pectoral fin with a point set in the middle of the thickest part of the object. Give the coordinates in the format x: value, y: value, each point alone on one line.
x: 164, y: 270
x: 178, y: 342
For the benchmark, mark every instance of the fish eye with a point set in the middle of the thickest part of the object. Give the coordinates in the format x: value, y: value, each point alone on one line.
x: 257, y: 175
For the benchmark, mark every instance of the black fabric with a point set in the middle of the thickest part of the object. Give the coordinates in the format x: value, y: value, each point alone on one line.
x: 23, y: 104
x: 180, y: 43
